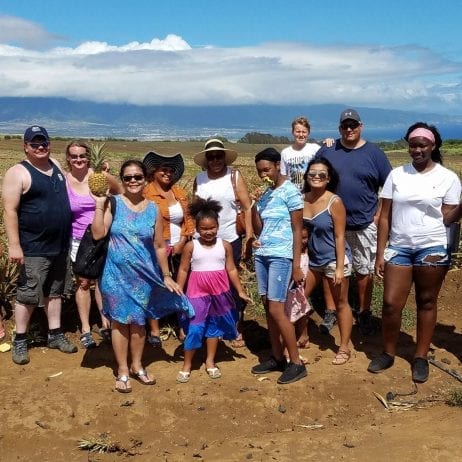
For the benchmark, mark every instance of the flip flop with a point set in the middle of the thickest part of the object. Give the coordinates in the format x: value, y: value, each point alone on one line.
x: 238, y: 342
x: 183, y: 376
x: 142, y: 377
x: 126, y: 381
x: 341, y: 357
x: 304, y: 343
x: 106, y: 334
x: 213, y: 372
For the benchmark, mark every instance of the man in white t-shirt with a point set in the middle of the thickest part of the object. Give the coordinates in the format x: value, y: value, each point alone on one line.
x: 295, y: 158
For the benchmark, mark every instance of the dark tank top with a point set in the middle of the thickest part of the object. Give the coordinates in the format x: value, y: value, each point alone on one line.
x: 44, y: 214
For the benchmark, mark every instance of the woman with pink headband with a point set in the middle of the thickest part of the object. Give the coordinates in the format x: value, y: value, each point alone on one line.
x: 417, y: 200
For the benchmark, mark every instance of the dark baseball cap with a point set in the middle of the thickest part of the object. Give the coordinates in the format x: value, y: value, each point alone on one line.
x: 349, y: 114
x: 34, y: 131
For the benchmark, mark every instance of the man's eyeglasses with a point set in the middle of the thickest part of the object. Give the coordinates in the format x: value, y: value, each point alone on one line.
x: 78, y: 156
x: 136, y: 177
x: 349, y: 125
x: 43, y: 144
x: 211, y: 157
x: 320, y: 175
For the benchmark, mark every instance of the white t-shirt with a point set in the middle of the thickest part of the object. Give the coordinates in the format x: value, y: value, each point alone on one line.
x: 175, y: 213
x: 294, y: 162
x: 222, y: 191
x: 417, y: 220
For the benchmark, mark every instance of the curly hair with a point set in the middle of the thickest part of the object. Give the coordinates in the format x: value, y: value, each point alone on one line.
x: 204, y: 208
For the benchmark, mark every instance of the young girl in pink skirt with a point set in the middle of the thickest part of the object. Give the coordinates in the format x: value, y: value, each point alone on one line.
x: 210, y: 260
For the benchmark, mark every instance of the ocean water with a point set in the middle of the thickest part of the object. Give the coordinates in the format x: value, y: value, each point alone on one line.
x: 145, y: 132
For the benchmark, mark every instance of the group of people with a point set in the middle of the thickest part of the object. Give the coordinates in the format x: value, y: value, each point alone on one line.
x: 313, y: 223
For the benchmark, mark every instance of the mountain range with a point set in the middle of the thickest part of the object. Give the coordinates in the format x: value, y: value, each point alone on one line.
x: 65, y: 117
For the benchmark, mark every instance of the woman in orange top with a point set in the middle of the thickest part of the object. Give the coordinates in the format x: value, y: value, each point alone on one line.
x: 164, y: 171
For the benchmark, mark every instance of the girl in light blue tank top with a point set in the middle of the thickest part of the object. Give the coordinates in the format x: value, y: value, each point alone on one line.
x: 329, y: 254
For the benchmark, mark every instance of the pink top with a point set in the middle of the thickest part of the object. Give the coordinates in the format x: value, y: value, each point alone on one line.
x: 83, y: 209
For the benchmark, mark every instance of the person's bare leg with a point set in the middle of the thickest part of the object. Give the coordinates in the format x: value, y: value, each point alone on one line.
x: 53, y: 311
x: 280, y: 326
x: 137, y: 340
x: 83, y: 302
x: 105, y: 323
x: 397, y: 283
x: 188, y: 358
x: 212, y: 346
x: 22, y: 315
x: 428, y: 281
x: 120, y: 341
x: 365, y: 283
x: 344, y: 313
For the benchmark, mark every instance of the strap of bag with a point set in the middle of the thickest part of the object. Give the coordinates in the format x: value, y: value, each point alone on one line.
x: 234, y: 184
x: 113, y: 205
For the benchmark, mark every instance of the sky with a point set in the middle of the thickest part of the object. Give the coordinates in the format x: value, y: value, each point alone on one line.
x: 399, y: 54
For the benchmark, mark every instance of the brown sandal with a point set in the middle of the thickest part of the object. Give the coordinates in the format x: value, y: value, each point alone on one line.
x: 341, y: 357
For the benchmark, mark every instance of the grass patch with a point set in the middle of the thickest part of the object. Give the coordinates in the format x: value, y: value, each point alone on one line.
x: 455, y: 397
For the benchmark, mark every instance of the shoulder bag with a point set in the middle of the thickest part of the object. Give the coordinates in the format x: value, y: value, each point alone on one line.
x: 91, y: 254
x: 240, y: 215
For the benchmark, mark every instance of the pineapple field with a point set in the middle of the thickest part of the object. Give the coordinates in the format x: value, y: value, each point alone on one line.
x: 63, y: 407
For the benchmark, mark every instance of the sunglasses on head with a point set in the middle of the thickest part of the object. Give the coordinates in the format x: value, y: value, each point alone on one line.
x: 78, y: 156
x: 43, y: 144
x: 349, y: 125
x: 218, y: 156
x: 136, y: 177
x: 320, y: 175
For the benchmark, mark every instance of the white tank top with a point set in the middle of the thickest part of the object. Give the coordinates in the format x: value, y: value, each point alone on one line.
x: 175, y: 213
x: 221, y: 190
x: 205, y: 258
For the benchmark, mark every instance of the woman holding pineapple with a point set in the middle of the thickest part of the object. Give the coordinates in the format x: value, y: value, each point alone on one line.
x: 78, y: 157
x: 136, y: 283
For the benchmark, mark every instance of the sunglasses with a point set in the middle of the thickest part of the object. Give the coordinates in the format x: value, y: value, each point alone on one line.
x: 215, y: 157
x: 349, y: 125
x: 136, y: 177
x: 320, y: 175
x: 78, y: 156
x: 43, y: 144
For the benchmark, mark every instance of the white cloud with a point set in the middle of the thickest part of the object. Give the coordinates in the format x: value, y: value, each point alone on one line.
x: 24, y: 33
x: 170, y: 71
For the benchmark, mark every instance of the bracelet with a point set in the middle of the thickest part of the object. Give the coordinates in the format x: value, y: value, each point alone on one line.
x: 167, y: 274
x: 99, y: 208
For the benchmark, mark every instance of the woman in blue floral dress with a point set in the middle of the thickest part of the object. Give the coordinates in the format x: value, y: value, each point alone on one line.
x: 136, y: 283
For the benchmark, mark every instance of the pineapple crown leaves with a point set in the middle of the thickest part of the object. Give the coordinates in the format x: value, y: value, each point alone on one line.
x: 97, y: 156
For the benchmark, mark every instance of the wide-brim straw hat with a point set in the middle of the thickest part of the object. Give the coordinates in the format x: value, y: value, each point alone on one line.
x: 153, y: 160
x: 214, y: 145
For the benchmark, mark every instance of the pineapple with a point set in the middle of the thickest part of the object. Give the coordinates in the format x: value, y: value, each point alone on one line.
x: 268, y: 181
x: 97, y: 181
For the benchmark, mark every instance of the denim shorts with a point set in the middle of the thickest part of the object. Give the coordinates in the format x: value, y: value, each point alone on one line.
x: 273, y: 277
x: 430, y: 256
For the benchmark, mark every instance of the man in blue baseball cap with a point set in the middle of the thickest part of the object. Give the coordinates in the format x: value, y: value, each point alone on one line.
x: 37, y: 223
x: 363, y: 168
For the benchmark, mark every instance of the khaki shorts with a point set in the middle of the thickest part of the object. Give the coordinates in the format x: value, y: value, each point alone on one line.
x: 363, y: 244
x: 329, y: 269
x: 41, y: 277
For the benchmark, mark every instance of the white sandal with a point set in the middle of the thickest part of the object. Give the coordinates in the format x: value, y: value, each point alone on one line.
x: 183, y: 376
